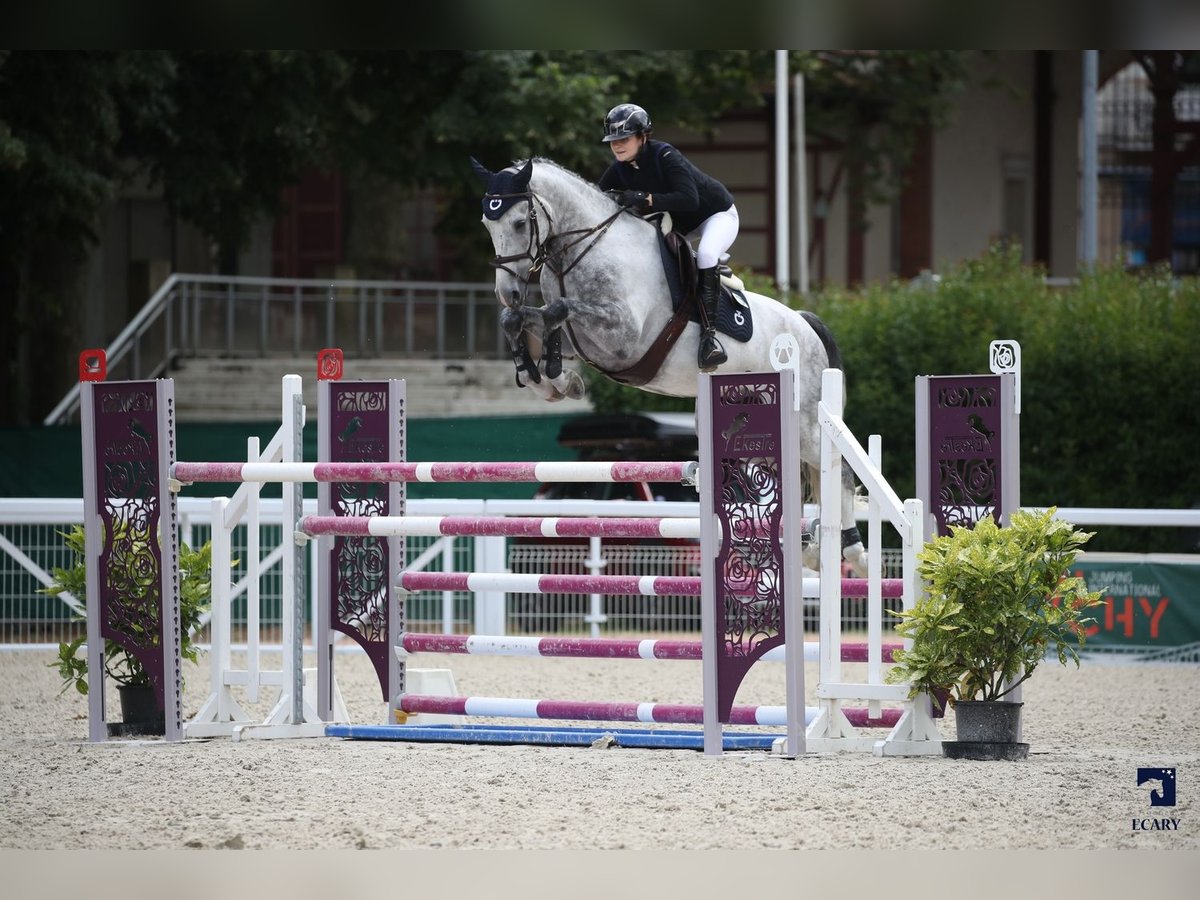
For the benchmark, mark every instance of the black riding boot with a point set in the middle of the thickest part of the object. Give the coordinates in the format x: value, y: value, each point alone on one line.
x: 711, y: 353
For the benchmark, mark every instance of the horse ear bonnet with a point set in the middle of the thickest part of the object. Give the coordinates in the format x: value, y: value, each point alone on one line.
x: 483, y: 172
x: 504, y: 188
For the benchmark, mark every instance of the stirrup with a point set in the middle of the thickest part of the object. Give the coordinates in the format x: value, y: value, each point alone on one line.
x: 708, y: 359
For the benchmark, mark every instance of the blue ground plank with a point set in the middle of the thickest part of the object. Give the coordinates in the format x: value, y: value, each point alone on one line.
x: 649, y: 738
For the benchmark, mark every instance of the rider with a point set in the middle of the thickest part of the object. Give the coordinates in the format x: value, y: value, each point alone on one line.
x: 652, y: 176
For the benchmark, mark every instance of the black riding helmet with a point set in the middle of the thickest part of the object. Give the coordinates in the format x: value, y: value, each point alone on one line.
x: 624, y: 121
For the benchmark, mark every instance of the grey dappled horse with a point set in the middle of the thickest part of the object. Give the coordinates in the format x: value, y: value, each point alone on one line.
x: 602, y: 281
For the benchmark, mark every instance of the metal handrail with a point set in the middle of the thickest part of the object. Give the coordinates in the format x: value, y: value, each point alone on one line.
x: 182, y: 301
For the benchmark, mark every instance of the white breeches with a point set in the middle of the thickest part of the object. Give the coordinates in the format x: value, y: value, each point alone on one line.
x: 717, y: 234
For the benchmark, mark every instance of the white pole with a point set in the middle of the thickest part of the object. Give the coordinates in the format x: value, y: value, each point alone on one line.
x: 448, y: 596
x: 711, y: 630
x: 1088, y: 189
x: 254, y: 579
x: 596, y: 564
x: 782, y: 236
x: 801, y: 189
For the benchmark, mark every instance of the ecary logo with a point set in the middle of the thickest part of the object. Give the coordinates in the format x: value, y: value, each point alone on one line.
x: 1162, y: 795
x: 1165, y: 794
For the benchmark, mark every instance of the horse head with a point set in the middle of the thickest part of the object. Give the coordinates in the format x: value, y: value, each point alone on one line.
x: 510, y: 214
x: 519, y: 236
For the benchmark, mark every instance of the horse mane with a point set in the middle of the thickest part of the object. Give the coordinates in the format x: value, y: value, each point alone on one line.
x: 572, y: 179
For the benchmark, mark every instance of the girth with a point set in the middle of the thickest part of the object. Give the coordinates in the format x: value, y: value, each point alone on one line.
x: 647, y: 367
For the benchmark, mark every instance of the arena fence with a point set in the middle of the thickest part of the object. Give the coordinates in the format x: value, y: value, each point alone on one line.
x: 31, y: 547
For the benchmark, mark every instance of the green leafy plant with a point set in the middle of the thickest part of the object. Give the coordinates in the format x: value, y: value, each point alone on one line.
x: 195, y: 598
x: 997, y: 601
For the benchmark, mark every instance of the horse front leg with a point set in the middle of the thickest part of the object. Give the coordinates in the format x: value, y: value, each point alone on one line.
x: 554, y: 316
x: 515, y: 322
x: 546, y: 323
x: 512, y: 321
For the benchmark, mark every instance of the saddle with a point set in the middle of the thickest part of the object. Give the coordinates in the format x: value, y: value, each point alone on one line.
x: 679, y: 266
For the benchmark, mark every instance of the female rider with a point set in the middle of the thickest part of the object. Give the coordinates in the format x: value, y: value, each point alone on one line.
x: 652, y: 176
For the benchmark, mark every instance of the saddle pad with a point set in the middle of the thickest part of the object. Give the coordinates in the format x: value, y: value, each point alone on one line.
x: 733, y: 310
x: 733, y: 316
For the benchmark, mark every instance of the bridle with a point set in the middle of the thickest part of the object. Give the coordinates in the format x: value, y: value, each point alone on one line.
x: 539, y: 251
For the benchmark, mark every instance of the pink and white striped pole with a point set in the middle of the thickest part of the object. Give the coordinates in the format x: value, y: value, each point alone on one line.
x: 518, y: 583
x: 603, y: 711
x: 617, y: 585
x: 500, y: 526
x: 464, y: 472
x: 599, y: 648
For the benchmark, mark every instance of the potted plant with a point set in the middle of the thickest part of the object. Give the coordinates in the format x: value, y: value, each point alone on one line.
x: 139, y: 706
x: 997, y: 601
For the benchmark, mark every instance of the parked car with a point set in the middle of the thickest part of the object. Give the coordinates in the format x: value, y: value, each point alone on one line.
x: 652, y: 436
x: 655, y: 436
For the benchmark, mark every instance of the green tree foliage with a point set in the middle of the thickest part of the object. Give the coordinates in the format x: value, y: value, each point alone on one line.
x: 875, y: 103
x: 1108, y: 378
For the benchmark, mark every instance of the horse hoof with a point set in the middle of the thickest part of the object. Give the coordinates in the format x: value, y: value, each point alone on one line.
x: 575, y: 388
x: 856, y: 556
x: 810, y: 556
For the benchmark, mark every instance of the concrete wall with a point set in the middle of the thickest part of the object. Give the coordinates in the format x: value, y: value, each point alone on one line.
x: 983, y: 164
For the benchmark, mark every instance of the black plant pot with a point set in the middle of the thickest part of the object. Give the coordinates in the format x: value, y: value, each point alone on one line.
x: 986, y: 729
x: 139, y: 712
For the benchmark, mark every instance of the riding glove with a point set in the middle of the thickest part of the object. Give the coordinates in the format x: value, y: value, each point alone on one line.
x: 635, y: 200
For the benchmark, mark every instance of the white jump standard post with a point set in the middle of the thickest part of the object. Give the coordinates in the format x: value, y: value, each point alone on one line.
x: 916, y: 733
x: 295, y: 713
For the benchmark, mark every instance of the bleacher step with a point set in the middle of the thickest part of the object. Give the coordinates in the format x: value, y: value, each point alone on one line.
x: 233, y: 390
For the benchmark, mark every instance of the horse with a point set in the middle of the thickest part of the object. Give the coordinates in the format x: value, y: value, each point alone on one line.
x: 602, y: 280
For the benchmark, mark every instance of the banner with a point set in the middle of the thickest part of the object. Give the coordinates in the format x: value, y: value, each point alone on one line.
x: 1151, y: 602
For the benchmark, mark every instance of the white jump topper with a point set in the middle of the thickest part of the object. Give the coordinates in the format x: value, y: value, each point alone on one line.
x: 1004, y: 357
x: 785, y: 354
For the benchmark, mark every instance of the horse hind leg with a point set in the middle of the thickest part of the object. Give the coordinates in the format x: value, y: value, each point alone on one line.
x: 853, y: 550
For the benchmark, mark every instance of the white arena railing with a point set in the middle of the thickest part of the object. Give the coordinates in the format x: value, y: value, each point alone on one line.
x: 30, y: 548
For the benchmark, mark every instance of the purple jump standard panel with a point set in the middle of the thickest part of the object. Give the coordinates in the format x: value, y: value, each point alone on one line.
x: 360, y: 421
x: 132, y: 545
x: 748, y: 467
x: 967, y: 449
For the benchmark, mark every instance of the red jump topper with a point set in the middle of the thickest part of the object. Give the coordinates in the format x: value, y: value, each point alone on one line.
x: 93, y: 365
x: 329, y: 364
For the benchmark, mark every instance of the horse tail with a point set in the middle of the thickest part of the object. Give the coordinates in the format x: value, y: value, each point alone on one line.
x: 832, y: 352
